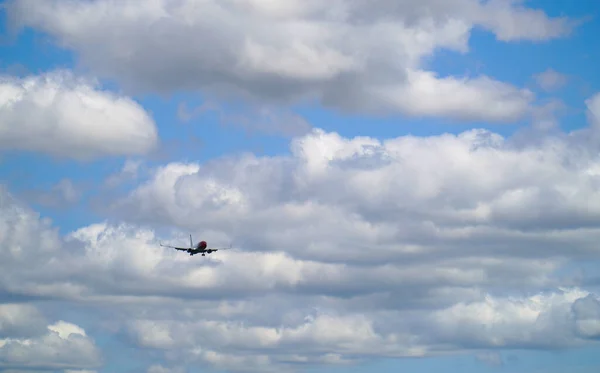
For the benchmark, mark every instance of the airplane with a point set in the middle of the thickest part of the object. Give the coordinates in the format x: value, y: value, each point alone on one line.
x: 200, y: 248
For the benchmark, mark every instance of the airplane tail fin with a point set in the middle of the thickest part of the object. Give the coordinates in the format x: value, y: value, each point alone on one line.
x: 191, y: 242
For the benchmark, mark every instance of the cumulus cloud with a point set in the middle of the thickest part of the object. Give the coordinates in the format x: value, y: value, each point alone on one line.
x: 26, y: 345
x: 64, y: 115
x: 346, y: 249
x: 418, y: 220
x: 365, y: 200
x: 350, y: 55
x: 336, y: 336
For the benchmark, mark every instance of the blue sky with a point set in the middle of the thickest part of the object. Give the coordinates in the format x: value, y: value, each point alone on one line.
x: 151, y: 71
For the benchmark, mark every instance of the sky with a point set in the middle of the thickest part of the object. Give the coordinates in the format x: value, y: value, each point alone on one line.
x: 406, y: 186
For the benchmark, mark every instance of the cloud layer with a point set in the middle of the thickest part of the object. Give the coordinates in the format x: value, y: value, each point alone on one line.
x: 64, y: 115
x: 347, y: 249
x: 350, y: 55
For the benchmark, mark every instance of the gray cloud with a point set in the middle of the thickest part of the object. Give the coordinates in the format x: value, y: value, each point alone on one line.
x: 20, y: 321
x: 28, y: 343
x: 349, y: 55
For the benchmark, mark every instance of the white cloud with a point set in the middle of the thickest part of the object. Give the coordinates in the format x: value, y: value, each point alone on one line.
x: 346, y: 249
x: 67, y: 116
x: 351, y: 55
x: 544, y: 320
x: 364, y: 200
x: 550, y: 80
x: 30, y: 348
x: 510, y: 20
x: 463, y: 98
x: 541, y: 321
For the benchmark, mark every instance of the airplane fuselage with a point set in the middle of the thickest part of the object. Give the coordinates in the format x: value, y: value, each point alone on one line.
x: 200, y: 251
x: 199, y: 248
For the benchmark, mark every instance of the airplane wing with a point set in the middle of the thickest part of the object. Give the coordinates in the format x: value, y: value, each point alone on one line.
x: 176, y: 248
x: 222, y: 248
